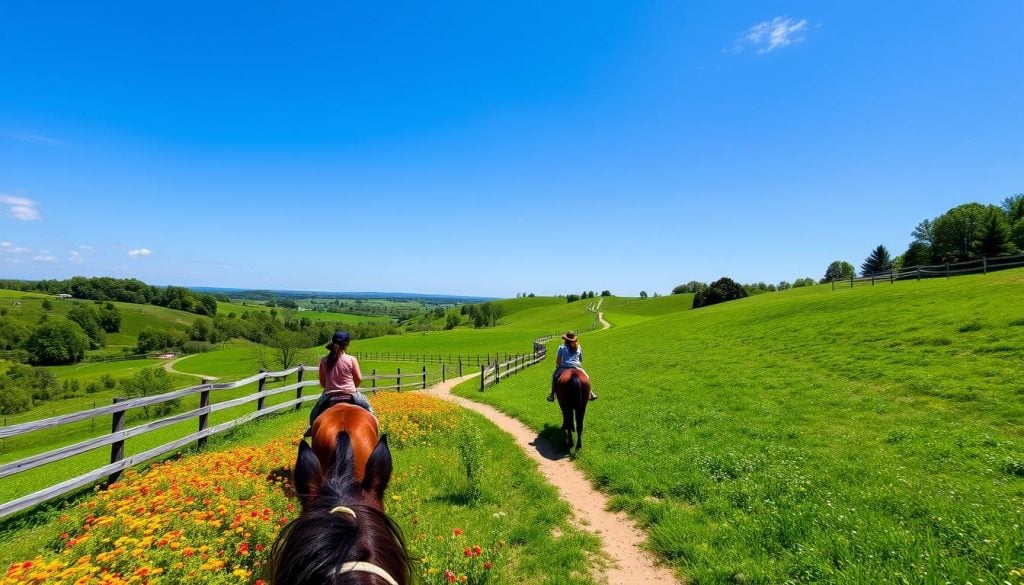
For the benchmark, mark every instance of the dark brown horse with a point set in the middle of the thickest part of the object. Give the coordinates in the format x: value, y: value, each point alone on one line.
x: 342, y: 535
x: 572, y: 388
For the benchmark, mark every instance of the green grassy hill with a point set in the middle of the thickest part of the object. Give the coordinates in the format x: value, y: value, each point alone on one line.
x: 857, y: 436
x: 27, y: 308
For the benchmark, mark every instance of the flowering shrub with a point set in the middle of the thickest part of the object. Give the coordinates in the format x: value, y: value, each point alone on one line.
x: 208, y: 519
x: 409, y: 417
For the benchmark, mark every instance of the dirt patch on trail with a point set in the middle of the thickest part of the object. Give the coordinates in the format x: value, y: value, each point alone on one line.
x: 620, y: 537
x: 169, y: 367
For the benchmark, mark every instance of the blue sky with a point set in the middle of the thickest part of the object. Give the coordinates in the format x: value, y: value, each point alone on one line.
x: 495, y: 148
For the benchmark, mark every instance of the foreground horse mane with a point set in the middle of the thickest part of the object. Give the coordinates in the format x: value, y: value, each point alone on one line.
x: 311, y: 548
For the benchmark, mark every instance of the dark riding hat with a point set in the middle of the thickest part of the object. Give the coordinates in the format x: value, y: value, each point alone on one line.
x: 570, y: 336
x: 339, y: 337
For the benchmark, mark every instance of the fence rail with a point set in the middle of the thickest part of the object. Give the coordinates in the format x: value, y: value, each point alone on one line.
x: 119, y: 434
x: 982, y: 265
x: 491, y: 374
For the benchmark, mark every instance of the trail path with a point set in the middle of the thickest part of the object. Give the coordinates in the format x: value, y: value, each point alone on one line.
x: 620, y: 537
x: 600, y: 315
x: 169, y: 366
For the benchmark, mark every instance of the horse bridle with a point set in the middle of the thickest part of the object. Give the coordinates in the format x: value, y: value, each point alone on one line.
x: 364, y: 567
x: 361, y: 566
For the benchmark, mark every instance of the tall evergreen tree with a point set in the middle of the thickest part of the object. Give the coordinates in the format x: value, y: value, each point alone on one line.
x: 994, y: 239
x: 877, y: 261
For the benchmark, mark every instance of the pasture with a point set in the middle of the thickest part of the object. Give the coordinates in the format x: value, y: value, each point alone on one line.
x: 857, y: 436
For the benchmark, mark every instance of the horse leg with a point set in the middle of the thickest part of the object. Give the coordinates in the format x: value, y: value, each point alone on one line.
x: 579, y: 426
x: 567, y: 426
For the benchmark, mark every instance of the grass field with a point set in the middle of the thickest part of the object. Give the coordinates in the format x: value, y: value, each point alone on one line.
x: 857, y: 436
x: 239, y: 308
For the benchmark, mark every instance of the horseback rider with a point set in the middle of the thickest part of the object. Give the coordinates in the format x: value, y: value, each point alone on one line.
x: 569, y: 355
x: 339, y: 376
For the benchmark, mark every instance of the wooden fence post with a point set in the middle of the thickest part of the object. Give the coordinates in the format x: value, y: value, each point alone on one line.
x: 399, y: 379
x: 919, y: 274
x: 483, y: 372
x: 298, y: 391
x: 984, y: 265
x: 947, y: 269
x: 204, y: 401
x: 891, y: 276
x: 460, y: 365
x: 263, y: 382
x: 442, y: 372
x: 117, y: 447
x: 424, y: 377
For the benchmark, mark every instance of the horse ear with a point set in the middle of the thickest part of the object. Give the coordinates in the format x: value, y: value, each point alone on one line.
x: 378, y: 469
x: 343, y: 456
x: 307, y: 475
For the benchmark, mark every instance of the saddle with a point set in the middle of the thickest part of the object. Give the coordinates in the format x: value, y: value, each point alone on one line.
x: 565, y: 375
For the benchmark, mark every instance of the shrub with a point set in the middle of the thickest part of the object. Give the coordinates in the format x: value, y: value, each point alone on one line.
x: 471, y: 453
x: 13, y: 398
x: 150, y: 382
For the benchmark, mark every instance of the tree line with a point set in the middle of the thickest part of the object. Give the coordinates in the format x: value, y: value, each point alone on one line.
x: 964, y: 232
x: 125, y: 290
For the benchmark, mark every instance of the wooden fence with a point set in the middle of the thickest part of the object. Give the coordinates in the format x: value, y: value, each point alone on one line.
x: 119, y: 434
x: 976, y: 266
x: 467, y: 360
x: 491, y: 374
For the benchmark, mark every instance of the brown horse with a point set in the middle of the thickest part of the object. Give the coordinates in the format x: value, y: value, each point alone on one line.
x: 342, y: 535
x: 572, y: 388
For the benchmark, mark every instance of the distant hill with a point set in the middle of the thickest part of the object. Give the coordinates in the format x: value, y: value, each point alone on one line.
x: 263, y: 295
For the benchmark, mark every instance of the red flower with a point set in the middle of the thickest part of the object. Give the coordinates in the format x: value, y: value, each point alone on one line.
x: 488, y: 565
x: 467, y: 552
x: 457, y: 531
x: 450, y: 576
x: 477, y: 550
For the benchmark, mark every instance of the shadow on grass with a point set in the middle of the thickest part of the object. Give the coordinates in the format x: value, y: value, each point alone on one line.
x: 550, y: 443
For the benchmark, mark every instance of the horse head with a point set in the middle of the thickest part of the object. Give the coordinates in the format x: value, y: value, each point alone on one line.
x: 341, y: 534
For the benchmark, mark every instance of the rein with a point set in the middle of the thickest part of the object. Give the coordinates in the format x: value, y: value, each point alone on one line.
x: 364, y: 567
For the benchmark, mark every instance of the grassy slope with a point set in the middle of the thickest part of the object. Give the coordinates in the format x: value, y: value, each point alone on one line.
x: 238, y: 309
x: 865, y: 435
x: 134, y: 318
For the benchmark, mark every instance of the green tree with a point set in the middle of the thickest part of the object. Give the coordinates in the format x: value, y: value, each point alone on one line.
x: 88, y: 319
x: 693, y: 287
x: 150, y: 382
x: 12, y: 333
x: 150, y: 339
x: 918, y: 254
x: 877, y: 261
x: 47, y: 305
x: 57, y: 341
x: 452, y: 321
x: 606, y: 293
x: 994, y: 238
x: 643, y: 295
x: 722, y: 290
x: 110, y: 318
x: 957, y: 231
x: 838, y: 270
x: 288, y: 346
x: 1013, y: 206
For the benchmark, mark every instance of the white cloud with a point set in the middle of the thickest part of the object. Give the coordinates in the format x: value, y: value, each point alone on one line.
x: 20, y: 207
x: 768, y: 35
x: 9, y: 248
x: 44, y: 258
x: 75, y: 257
x: 140, y: 252
x: 34, y: 138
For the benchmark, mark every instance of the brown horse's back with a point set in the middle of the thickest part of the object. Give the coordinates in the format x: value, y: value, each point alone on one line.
x: 361, y: 427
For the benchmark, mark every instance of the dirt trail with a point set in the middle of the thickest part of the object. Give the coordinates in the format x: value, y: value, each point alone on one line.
x: 169, y: 366
x: 600, y: 316
x: 620, y: 537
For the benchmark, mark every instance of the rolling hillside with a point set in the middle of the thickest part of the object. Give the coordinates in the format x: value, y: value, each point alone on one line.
x: 855, y: 436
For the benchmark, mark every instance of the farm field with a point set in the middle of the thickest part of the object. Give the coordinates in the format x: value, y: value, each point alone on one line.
x: 238, y: 308
x: 863, y: 435
x: 510, y: 515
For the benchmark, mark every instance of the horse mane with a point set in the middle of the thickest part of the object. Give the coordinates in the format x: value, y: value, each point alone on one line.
x: 310, y: 548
